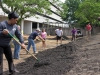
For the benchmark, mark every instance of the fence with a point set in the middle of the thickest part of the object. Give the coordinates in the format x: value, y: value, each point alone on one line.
x: 67, y: 31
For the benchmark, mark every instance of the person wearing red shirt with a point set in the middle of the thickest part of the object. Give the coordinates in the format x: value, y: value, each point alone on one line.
x: 88, y: 31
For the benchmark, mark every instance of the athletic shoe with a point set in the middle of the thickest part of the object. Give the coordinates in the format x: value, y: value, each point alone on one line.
x: 14, y: 72
x: 35, y: 52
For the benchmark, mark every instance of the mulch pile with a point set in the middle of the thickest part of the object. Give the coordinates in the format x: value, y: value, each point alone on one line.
x: 62, y: 59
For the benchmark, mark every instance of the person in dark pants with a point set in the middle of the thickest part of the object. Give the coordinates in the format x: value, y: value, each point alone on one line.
x: 6, y: 27
x: 74, y: 32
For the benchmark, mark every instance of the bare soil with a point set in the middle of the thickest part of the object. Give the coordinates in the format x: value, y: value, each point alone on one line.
x: 80, y: 57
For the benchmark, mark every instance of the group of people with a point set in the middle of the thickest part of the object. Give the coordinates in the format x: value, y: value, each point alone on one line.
x: 42, y: 35
x: 35, y: 34
x: 88, y: 32
x: 31, y: 38
x: 10, y: 27
x: 8, y: 30
x: 59, y: 33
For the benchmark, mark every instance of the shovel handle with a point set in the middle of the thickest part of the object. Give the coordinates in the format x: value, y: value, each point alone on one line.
x: 25, y: 48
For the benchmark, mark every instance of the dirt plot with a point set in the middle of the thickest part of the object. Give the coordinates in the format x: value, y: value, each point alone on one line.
x: 71, y: 58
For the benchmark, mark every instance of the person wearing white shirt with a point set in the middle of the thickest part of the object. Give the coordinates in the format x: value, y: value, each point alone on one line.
x: 59, y: 34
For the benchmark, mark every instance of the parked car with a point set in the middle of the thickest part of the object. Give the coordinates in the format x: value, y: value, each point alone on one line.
x: 79, y: 33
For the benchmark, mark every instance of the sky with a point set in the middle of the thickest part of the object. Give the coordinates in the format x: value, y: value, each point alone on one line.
x: 63, y: 0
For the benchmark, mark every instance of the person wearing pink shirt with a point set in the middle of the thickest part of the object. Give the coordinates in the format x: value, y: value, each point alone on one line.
x: 43, y: 35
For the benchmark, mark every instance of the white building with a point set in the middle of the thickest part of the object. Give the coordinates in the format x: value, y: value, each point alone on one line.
x: 29, y: 24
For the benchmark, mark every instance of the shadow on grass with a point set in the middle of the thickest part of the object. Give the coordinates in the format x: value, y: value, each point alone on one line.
x: 61, y: 59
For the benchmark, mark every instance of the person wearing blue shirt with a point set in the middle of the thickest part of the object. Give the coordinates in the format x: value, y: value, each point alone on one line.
x: 7, y: 27
x: 31, y: 38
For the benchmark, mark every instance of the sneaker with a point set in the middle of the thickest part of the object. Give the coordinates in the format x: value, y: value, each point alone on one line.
x: 36, y: 52
x: 14, y: 72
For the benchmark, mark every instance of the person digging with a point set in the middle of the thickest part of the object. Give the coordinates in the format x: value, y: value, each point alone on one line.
x: 31, y: 39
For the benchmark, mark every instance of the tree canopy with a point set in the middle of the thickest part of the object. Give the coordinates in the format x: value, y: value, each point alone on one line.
x: 28, y: 8
x: 72, y: 7
x: 25, y: 8
x: 82, y: 11
x: 88, y: 11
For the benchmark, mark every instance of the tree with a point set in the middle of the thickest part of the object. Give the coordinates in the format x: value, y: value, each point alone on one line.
x: 64, y: 11
x: 72, y: 7
x: 61, y: 8
x: 88, y: 12
x: 25, y: 8
x: 28, y: 8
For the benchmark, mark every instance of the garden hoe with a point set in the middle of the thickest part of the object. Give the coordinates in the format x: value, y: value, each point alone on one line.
x: 38, y: 64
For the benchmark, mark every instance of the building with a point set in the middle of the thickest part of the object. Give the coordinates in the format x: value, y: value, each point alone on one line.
x: 47, y: 21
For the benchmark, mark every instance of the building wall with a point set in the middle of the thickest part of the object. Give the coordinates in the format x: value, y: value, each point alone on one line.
x: 27, y: 27
x: 2, y: 18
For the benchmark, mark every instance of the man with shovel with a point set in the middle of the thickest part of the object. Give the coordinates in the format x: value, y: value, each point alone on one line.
x: 31, y: 38
x: 6, y: 28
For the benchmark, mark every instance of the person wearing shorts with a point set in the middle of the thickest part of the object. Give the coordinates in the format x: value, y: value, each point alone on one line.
x: 88, y: 31
x: 74, y: 31
x: 43, y: 35
x: 59, y: 34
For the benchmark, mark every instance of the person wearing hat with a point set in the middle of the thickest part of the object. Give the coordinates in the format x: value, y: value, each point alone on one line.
x: 6, y: 28
x: 31, y: 38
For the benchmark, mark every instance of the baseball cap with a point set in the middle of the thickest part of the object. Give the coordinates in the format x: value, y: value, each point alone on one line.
x: 38, y: 29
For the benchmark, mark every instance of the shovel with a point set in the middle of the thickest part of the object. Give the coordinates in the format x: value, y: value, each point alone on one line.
x: 38, y: 64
